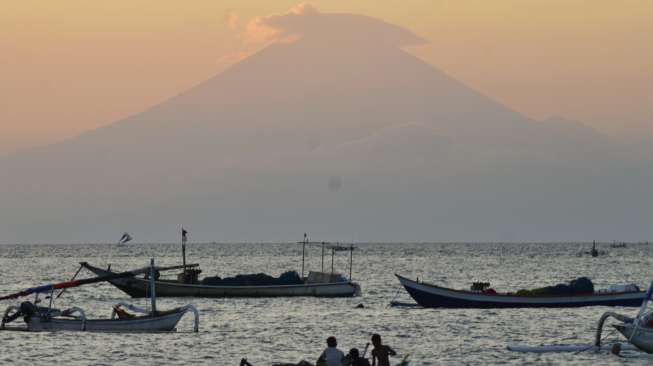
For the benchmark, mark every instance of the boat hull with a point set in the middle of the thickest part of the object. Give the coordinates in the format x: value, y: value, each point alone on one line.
x: 431, y: 296
x: 138, y: 287
x: 162, y: 323
x: 642, y: 339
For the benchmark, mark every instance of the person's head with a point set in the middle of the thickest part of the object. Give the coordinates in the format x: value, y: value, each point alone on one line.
x: 332, y: 342
x: 354, y: 353
x: 376, y: 340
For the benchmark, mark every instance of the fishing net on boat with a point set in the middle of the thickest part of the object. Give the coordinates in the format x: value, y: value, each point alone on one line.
x: 258, y: 279
x: 581, y: 285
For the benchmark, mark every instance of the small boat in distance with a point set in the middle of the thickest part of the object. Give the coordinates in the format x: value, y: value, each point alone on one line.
x: 432, y: 296
x: 594, y: 252
x: 188, y: 283
x: 48, y: 318
x: 125, y: 238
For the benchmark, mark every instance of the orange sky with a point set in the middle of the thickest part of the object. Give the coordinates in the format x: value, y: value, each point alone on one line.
x: 71, y: 65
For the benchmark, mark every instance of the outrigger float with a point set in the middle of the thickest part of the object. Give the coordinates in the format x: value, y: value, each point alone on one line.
x: 40, y: 318
x: 188, y: 284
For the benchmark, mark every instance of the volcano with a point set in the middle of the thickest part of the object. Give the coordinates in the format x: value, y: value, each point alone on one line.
x: 336, y: 130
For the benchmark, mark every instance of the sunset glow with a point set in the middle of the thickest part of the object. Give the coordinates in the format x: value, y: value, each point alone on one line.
x: 71, y: 66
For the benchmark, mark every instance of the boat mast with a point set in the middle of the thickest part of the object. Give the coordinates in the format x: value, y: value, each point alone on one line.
x: 304, y: 252
x: 333, y: 252
x: 183, y: 248
x: 152, y: 287
x: 351, y: 260
x: 322, y: 257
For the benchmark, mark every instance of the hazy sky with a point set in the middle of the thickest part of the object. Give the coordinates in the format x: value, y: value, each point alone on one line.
x: 71, y: 65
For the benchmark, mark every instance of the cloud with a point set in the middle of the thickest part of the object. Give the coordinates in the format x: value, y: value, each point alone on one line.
x: 279, y: 27
x: 306, y: 21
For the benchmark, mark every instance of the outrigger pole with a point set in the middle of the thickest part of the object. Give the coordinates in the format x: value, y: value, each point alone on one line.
x: 63, y: 285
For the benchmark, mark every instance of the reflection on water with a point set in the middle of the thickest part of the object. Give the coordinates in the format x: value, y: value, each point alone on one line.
x: 290, y: 329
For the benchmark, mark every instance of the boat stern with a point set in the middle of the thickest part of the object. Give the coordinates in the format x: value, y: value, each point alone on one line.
x: 357, y: 289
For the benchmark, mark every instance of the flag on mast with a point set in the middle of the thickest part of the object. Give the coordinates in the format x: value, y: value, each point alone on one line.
x: 184, y: 235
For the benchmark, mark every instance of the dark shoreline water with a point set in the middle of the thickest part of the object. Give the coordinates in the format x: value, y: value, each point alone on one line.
x: 290, y: 329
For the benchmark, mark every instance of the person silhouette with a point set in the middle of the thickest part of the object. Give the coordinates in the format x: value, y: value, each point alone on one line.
x: 331, y: 356
x: 381, y: 353
x: 355, y: 359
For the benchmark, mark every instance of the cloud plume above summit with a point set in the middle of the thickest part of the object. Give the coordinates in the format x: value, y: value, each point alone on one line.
x: 306, y: 21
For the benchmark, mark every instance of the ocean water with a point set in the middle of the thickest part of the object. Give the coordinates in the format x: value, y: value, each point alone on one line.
x: 271, y: 330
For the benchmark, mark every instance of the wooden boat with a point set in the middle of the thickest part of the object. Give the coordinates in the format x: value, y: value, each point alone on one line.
x: 38, y: 318
x: 432, y: 296
x: 187, y: 283
x: 137, y: 287
x: 74, y: 319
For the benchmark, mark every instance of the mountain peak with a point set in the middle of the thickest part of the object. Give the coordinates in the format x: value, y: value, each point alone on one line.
x: 307, y: 22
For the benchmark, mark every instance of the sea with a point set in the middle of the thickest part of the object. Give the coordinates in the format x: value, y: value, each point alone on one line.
x: 269, y: 330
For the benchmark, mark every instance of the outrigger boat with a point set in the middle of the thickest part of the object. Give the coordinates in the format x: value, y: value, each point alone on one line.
x: 432, y: 296
x: 637, y: 331
x: 188, y: 284
x: 40, y: 318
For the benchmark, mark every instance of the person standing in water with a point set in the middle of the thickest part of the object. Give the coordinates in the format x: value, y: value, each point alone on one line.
x: 331, y: 356
x: 381, y: 353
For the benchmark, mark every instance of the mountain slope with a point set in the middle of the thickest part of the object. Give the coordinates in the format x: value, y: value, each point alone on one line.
x: 346, y: 138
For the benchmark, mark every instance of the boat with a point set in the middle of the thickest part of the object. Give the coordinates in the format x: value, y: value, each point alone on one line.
x: 618, y: 245
x: 637, y: 333
x: 188, y: 284
x: 594, y: 252
x: 316, y: 284
x: 48, y: 318
x: 125, y: 238
x: 432, y: 296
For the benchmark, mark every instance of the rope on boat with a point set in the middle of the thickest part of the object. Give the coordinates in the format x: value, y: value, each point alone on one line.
x: 72, y: 279
x: 395, y: 297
